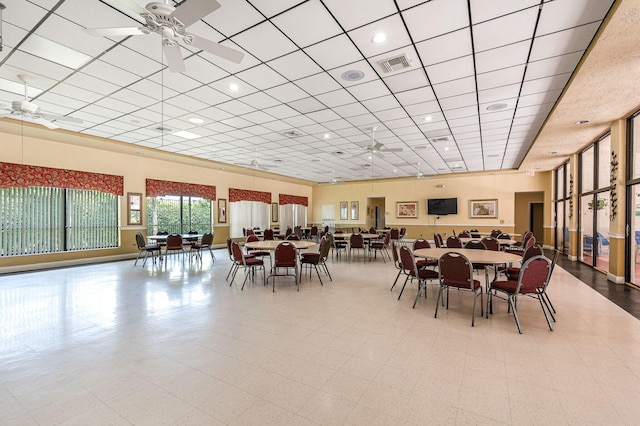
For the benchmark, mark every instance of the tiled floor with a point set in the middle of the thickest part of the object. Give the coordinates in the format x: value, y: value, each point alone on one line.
x: 111, y: 344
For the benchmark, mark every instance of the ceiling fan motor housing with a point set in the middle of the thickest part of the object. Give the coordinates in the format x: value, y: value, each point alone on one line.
x: 24, y: 106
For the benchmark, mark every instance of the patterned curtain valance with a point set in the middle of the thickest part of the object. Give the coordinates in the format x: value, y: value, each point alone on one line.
x: 248, y: 195
x: 293, y: 199
x: 158, y: 188
x: 22, y: 176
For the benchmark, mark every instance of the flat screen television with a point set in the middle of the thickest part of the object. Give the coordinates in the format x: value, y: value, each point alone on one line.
x: 442, y: 206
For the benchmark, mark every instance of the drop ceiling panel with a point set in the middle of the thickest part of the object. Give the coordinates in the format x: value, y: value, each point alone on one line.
x: 435, y: 18
x: 355, y: 13
x: 265, y: 42
x: 502, y: 57
x: 446, y: 47
x: 234, y: 17
x: 316, y: 84
x: 295, y: 65
x: 334, y: 52
x: 392, y: 27
x: 484, y: 11
x: 307, y: 23
x: 563, y: 42
x: 409, y: 80
x: 559, y: 15
x: 261, y: 77
x: 507, y: 29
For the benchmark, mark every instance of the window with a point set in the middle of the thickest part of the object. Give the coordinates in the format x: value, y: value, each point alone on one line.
x: 246, y: 214
x: 177, y: 214
x: 292, y: 215
x: 38, y: 220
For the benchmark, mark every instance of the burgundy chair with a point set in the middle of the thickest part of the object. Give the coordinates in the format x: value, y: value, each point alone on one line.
x: 234, y: 265
x: 268, y: 234
x: 532, y: 282
x: 464, y: 234
x: 205, y: 244
x: 382, y: 247
x: 292, y: 237
x: 411, y: 270
x: 421, y: 263
x: 454, y: 242
x: 143, y: 247
x: 174, y: 244
x: 249, y: 264
x: 313, y: 233
x: 456, y: 271
x: 395, y: 234
x: 310, y: 259
x: 356, y: 241
x: 286, y: 257
x: 437, y: 239
x: 512, y: 272
x: 256, y: 252
x: 422, y: 243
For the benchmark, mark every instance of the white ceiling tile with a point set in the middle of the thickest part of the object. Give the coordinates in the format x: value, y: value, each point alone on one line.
x: 259, y: 100
x: 324, y: 115
x: 460, y: 101
x: 416, y: 96
x: 560, y: 15
x: 111, y: 73
x: 350, y: 110
x: 435, y: 18
x: 235, y: 107
x: 208, y: 95
x: 132, y: 61
x: 503, y: 77
x: 556, y: 82
x: 265, y: 42
x: 134, y: 98
x: 223, y: 86
x: 450, y: 70
x: 552, y: 66
x: 319, y: 83
x: 502, y: 57
x: 362, y: 66
x: 306, y: 105
x: 307, y: 23
x: 446, y: 47
x: 202, y: 70
x: 334, y: 52
x: 507, y: 29
x: 381, y: 103
x: 98, y: 85
x: 392, y: 27
x: 233, y: 17
x: 336, y: 98
x: 455, y: 87
x: 270, y: 8
x: 563, y: 42
x: 281, y: 111
x: 36, y: 67
x: 261, y: 77
x: 409, y: 80
x: 295, y: 65
x: 74, y: 92
x: 372, y: 89
x: 355, y: 13
x: 69, y: 34
x: 504, y: 93
x: 286, y: 93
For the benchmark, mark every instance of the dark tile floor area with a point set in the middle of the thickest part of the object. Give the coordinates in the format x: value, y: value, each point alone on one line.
x: 624, y: 296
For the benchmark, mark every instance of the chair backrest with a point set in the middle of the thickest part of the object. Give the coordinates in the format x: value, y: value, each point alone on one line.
x: 332, y: 241
x: 454, y: 242
x: 207, y: 239
x: 372, y: 230
x: 285, y: 255
x: 288, y: 232
x: 532, y: 251
x: 395, y: 233
x: 326, y: 229
x: 325, y: 246
x: 268, y: 234
x: 249, y: 232
x: 229, y: 249
x: 556, y: 256
x: 421, y: 243
x: 530, y: 242
x: 504, y: 237
x: 396, y: 259
x: 437, y: 239
x: 475, y: 245
x: 455, y: 268
x: 495, y: 233
x: 526, y: 236
x: 408, y: 261
x: 314, y: 230
x: 292, y: 237
x: 403, y: 232
x: 387, y: 238
x: 356, y: 241
x: 251, y: 238
x: 464, y: 234
x: 140, y: 242
x: 298, y: 231
x: 491, y: 243
x: 534, y: 274
x: 236, y: 252
x: 174, y: 241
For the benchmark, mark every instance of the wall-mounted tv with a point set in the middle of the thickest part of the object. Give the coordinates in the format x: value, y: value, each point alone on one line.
x: 442, y: 206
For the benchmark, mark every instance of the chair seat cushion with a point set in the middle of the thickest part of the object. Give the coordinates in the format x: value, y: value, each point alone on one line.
x: 427, y: 274
x: 463, y: 284
x: 310, y: 255
x: 507, y: 286
x: 259, y: 253
x: 252, y: 261
x: 152, y: 247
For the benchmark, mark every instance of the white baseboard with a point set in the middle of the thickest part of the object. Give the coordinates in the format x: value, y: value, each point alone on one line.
x: 615, y: 279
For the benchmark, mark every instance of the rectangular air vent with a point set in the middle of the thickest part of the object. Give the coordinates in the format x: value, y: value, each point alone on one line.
x: 441, y: 139
x: 160, y: 128
x: 396, y: 63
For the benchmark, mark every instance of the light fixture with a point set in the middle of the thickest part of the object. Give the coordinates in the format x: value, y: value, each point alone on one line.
x: 195, y: 120
x: 379, y: 38
x: 497, y: 107
x: 440, y: 186
x: 446, y: 148
x: 186, y: 135
x: 428, y: 118
x: 579, y: 122
x: 234, y: 87
x: 54, y: 52
x: 553, y: 152
x: 352, y: 75
x: 327, y: 135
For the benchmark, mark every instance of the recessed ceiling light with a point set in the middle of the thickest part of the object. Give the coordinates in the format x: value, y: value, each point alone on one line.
x: 186, y: 135
x: 428, y: 118
x: 582, y: 122
x: 352, y: 75
x: 395, y: 170
x: 446, y: 148
x: 493, y: 156
x: 379, y: 38
x: 553, y: 152
x: 497, y: 107
x: 327, y: 135
x: 234, y: 87
x: 196, y: 120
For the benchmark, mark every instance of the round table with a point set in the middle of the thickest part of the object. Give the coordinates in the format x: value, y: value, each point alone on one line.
x: 502, y: 242
x: 474, y: 256
x: 272, y: 244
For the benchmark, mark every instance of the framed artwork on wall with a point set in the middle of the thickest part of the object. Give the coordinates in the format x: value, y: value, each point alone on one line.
x: 344, y: 210
x: 483, y: 208
x: 134, y: 208
x: 407, y: 209
x: 274, y: 212
x: 355, y: 210
x: 222, y: 210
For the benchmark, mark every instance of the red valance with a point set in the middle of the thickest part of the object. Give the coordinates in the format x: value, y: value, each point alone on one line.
x: 248, y: 195
x: 293, y: 199
x: 21, y: 176
x: 158, y: 188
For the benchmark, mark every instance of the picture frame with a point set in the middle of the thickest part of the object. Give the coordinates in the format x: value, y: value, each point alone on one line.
x: 134, y: 208
x: 355, y: 210
x: 344, y: 210
x: 222, y: 210
x: 274, y: 212
x: 480, y: 209
x: 407, y: 209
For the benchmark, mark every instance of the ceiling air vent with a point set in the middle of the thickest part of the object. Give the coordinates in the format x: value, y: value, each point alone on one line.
x: 161, y: 129
x: 441, y: 139
x: 396, y: 63
x: 292, y: 134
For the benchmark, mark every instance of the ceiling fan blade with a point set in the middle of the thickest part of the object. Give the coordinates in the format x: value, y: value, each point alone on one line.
x: 217, y: 49
x: 43, y: 122
x: 391, y: 150
x: 133, y: 6
x: 376, y: 146
x: 194, y: 10
x: 110, y: 32
x: 64, y: 118
x: 174, y: 57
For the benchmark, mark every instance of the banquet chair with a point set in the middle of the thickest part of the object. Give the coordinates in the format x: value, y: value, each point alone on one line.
x: 268, y: 234
x: 411, y: 270
x: 395, y: 248
x: 292, y: 237
x: 531, y: 241
x: 532, y: 282
x: 337, y: 245
x: 421, y: 243
x: 189, y: 241
x: 143, y: 247
x: 261, y: 254
x: 234, y: 265
x: 512, y: 272
x: 356, y: 241
x: 454, y: 242
x: 249, y: 264
x: 478, y: 245
x: 457, y: 271
x: 310, y: 259
x: 381, y: 246
x: 286, y: 257
x: 465, y: 234
x: 288, y: 232
x: 395, y: 234
x: 174, y: 244
x: 313, y: 234
x: 205, y: 243
x: 543, y: 291
x: 437, y: 239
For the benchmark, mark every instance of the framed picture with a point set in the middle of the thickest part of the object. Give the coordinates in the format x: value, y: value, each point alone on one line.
x: 344, y: 210
x: 274, y: 212
x: 406, y: 209
x: 355, y: 210
x: 222, y: 210
x: 134, y: 208
x: 483, y: 208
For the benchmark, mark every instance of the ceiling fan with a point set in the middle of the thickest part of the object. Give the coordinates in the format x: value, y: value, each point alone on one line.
x: 377, y: 148
x: 253, y: 164
x: 335, y: 180
x: 171, y: 23
x: 31, y: 111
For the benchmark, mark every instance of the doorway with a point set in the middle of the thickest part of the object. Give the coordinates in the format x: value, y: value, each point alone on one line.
x: 375, y: 212
x: 536, y: 219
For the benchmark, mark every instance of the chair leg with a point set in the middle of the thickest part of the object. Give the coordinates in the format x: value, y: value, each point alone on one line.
x: 317, y: 272
x: 512, y: 303
x: 396, y: 280
x: 546, y: 296
x: 404, y: 285
x: 544, y: 311
x: 440, y: 294
x: 420, y: 285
